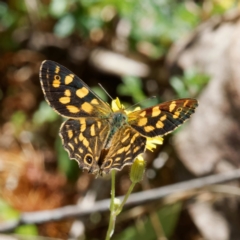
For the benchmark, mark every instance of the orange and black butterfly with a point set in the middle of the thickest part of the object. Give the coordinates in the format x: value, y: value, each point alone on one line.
x: 98, y: 138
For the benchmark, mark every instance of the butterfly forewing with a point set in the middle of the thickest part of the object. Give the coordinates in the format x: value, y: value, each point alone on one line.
x: 163, y: 118
x: 68, y: 94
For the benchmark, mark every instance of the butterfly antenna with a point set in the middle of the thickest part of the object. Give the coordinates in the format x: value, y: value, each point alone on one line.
x: 141, y: 102
x: 105, y: 90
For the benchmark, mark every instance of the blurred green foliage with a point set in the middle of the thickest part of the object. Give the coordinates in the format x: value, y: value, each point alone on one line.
x: 190, y: 84
x: 131, y: 86
x: 157, y: 22
x: 167, y: 217
x: 7, y: 212
x: 18, y: 119
x: 44, y: 114
x: 68, y: 167
x: 27, y: 230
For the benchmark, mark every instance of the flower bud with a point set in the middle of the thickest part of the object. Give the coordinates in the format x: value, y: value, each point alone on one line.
x: 137, y: 170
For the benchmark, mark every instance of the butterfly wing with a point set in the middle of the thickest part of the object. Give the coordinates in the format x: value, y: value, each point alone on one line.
x: 84, y: 139
x: 85, y: 133
x: 125, y: 146
x: 69, y: 95
x: 163, y: 118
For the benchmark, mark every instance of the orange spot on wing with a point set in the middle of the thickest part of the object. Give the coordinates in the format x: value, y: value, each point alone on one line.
x: 67, y: 93
x: 94, y: 101
x: 88, y: 108
x: 56, y: 83
x: 85, y: 142
x: 156, y: 111
x: 72, y: 109
x: 69, y: 78
x: 159, y: 124
x: 149, y: 128
x: 92, y: 130
x: 71, y: 146
x: 57, y: 69
x: 121, y: 150
x: 172, y: 106
x: 80, y: 137
x: 142, y: 122
x: 99, y: 124
x: 176, y: 115
x: 164, y: 117
x: 134, y: 137
x: 142, y: 114
x: 70, y: 134
x: 64, y: 100
x: 82, y: 92
x: 125, y: 138
x: 185, y: 103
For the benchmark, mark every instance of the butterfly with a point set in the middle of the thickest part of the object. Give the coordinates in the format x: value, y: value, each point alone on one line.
x: 98, y: 138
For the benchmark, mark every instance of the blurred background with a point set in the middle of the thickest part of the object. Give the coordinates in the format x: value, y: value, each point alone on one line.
x: 135, y: 49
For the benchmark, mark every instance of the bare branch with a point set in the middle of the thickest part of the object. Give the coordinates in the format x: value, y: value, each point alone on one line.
x: 73, y: 211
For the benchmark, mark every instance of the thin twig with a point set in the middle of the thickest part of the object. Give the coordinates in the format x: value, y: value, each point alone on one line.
x: 103, y: 205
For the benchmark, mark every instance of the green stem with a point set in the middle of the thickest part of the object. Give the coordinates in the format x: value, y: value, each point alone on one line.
x: 113, y: 211
x: 112, y: 219
x: 113, y: 189
x: 125, y: 198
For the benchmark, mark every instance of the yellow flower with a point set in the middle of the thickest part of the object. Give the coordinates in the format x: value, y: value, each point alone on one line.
x: 116, y: 105
x: 151, y: 142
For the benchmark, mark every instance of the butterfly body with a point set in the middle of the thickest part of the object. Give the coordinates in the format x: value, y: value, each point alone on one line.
x: 117, y: 120
x: 97, y: 137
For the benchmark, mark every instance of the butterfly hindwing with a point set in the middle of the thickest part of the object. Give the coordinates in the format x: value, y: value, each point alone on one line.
x: 84, y: 139
x: 69, y: 95
x: 163, y: 118
x: 126, y: 145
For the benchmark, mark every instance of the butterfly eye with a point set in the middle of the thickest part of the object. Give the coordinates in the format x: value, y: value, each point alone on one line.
x: 124, y: 117
x: 88, y: 159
